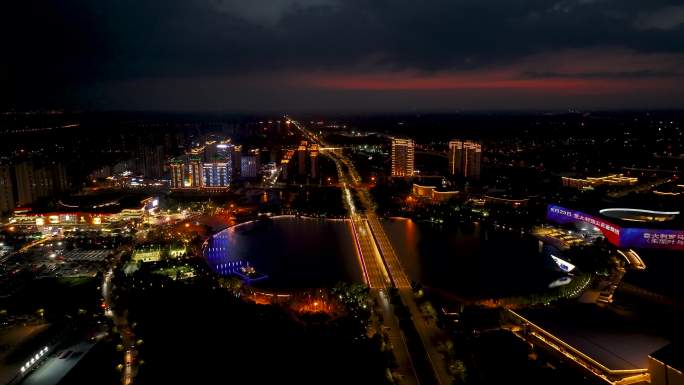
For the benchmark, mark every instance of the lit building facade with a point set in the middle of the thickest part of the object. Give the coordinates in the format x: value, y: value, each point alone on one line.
x: 465, y: 157
x: 216, y: 174
x: 608, y: 180
x: 301, y: 162
x: 431, y: 193
x: 176, y: 170
x: 403, y: 151
x: 620, y: 235
x: 207, y: 167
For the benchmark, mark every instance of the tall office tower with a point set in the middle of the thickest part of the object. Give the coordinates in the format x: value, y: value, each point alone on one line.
x: 402, y: 157
x: 464, y: 158
x: 313, y: 155
x: 301, y: 158
x: 249, y: 167
x: 217, y: 168
x: 6, y: 189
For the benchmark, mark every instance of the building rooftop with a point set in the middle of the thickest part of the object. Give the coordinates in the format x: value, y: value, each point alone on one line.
x: 599, y: 333
x: 671, y: 355
x: 99, y: 203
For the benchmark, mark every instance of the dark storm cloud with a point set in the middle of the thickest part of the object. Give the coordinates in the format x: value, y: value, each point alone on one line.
x: 56, y: 49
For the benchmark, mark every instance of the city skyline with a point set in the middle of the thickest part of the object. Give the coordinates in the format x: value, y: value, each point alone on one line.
x: 387, y: 235
x: 336, y: 192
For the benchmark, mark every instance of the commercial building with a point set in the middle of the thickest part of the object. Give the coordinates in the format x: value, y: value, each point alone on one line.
x: 465, y: 157
x: 186, y: 172
x: 494, y: 198
x: 147, y: 253
x: 207, y: 167
x: 616, y: 224
x: 607, y: 180
x: 587, y: 338
x: 216, y: 174
x: 432, y: 193
x: 86, y: 211
x: 403, y: 151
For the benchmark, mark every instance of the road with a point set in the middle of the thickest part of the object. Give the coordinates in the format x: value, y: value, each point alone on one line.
x: 402, y: 356
x: 121, y: 322
x: 375, y: 247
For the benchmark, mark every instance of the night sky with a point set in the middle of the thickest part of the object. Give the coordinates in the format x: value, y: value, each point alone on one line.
x: 342, y: 55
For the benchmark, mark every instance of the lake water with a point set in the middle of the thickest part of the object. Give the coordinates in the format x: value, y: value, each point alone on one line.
x: 303, y: 252
x: 468, y: 260
x: 293, y: 252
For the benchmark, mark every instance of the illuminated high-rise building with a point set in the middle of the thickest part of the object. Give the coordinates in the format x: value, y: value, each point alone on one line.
x: 217, y: 174
x: 402, y: 157
x: 464, y: 158
x: 194, y: 176
x: 313, y: 156
x: 285, y: 164
x: 177, y: 170
x: 206, y: 167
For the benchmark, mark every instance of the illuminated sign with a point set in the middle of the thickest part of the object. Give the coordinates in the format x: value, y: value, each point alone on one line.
x: 563, y: 215
x: 648, y: 238
x: 563, y: 265
x: 626, y: 237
